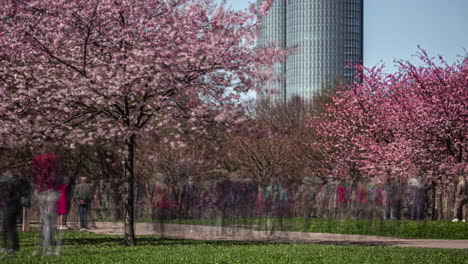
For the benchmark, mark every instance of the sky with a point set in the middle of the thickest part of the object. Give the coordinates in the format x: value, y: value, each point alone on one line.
x: 393, y: 29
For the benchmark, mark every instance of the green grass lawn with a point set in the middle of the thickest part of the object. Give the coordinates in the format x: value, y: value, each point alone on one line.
x: 92, y: 248
x: 391, y: 228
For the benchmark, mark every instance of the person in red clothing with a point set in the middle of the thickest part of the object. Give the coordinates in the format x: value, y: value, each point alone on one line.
x: 344, y: 191
x: 63, y: 204
x: 46, y: 169
x: 162, y: 204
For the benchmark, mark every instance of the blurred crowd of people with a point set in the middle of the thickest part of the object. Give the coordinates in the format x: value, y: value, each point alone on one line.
x: 54, y: 190
x: 315, y: 197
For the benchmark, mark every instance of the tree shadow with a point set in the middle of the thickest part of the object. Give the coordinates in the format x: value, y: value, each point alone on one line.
x: 160, y: 241
x: 355, y: 243
x: 164, y: 241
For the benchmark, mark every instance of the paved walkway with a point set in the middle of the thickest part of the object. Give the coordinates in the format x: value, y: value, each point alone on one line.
x: 196, y: 232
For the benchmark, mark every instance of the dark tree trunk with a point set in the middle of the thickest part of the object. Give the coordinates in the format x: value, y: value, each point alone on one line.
x: 435, y: 215
x: 129, y: 192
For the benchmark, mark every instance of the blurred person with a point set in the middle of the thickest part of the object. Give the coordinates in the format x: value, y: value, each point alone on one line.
x: 270, y: 201
x: 251, y: 189
x: 205, y: 205
x: 48, y: 179
x: 323, y: 198
x: 10, y: 203
x: 392, y: 199
x: 379, y: 201
x: 416, y: 188
x: 307, y: 194
x: 189, y: 199
x: 242, y: 206
x: 161, y: 207
x: 361, y: 201
x: 344, y: 197
x: 83, y: 196
x: 372, y: 203
x: 63, y: 204
x: 277, y: 195
x: 260, y: 202
x: 429, y: 200
x: 222, y: 199
x: 461, y: 198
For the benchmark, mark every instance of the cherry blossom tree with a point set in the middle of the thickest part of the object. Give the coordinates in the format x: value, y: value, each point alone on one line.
x: 412, y: 123
x: 75, y: 71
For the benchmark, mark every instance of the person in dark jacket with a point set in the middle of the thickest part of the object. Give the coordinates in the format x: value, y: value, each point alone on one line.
x: 83, y: 196
x: 14, y: 194
x: 10, y: 206
x: 393, y: 199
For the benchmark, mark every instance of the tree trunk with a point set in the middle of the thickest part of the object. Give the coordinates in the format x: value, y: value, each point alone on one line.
x: 440, y: 208
x: 434, y: 202
x: 129, y: 192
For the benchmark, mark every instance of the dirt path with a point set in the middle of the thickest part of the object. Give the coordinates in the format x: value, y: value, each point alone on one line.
x: 242, y: 234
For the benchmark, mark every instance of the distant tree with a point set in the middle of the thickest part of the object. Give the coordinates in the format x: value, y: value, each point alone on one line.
x: 284, y: 118
x: 265, y: 159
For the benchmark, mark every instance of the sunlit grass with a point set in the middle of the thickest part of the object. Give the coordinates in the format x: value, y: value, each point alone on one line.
x: 92, y: 248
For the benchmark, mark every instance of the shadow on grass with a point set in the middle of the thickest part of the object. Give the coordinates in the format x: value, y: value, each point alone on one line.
x: 157, y: 241
x: 162, y: 241
x: 356, y: 243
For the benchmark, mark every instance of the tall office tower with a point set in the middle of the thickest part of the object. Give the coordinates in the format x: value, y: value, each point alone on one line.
x: 328, y: 35
x: 274, y: 32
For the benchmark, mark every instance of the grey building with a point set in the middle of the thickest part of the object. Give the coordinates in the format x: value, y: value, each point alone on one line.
x: 328, y: 35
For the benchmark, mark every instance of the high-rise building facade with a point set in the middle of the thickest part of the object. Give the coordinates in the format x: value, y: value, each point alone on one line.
x: 327, y: 36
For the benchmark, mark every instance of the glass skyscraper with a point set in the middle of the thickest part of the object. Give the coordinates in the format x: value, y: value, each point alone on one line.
x: 327, y: 36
